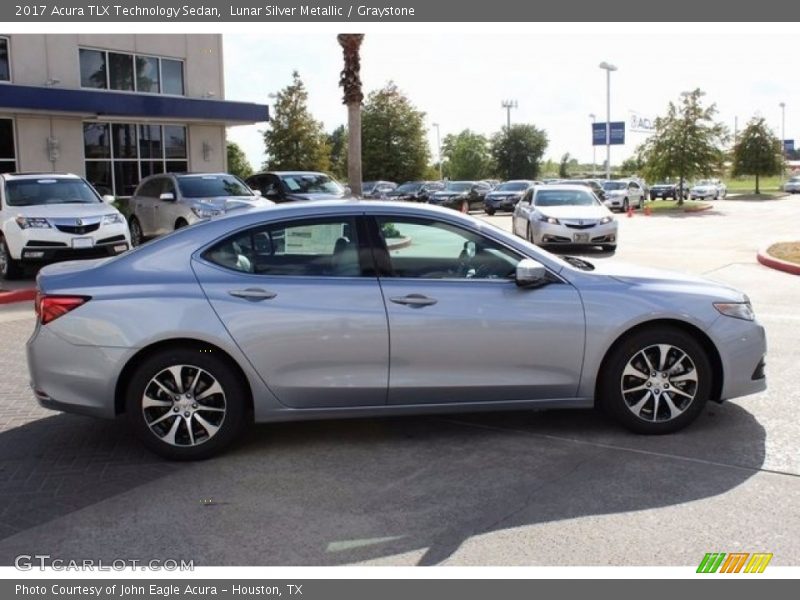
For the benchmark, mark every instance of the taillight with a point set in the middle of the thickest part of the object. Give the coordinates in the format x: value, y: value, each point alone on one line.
x: 49, y: 308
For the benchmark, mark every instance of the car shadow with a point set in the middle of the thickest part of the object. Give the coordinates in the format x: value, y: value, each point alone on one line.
x: 338, y: 492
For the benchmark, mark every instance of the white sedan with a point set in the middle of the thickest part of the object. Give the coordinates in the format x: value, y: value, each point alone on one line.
x: 549, y: 215
x: 621, y: 195
x: 708, y: 189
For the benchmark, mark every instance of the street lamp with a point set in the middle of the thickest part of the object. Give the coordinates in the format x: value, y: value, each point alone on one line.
x: 593, y: 117
x: 608, y: 67
x: 439, y: 151
x: 508, y: 105
x: 783, y: 142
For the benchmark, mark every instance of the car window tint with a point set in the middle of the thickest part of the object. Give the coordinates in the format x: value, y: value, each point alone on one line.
x: 428, y: 249
x: 308, y: 248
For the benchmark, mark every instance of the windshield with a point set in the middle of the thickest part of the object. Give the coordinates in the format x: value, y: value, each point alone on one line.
x: 512, y: 186
x: 564, y: 198
x: 458, y: 186
x: 32, y: 192
x: 614, y: 185
x: 212, y: 186
x: 408, y: 187
x: 705, y: 182
x: 312, y: 183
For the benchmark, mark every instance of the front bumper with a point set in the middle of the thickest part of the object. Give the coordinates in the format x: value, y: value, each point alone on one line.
x: 613, y: 202
x: 549, y: 233
x: 38, y: 251
x: 742, y: 347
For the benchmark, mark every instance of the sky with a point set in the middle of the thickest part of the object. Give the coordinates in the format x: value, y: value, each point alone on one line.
x: 460, y: 78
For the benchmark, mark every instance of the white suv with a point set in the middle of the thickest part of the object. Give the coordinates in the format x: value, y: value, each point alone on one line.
x: 48, y: 217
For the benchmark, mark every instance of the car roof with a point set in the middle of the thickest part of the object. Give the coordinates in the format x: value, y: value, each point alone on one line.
x: 35, y: 175
x: 279, y: 173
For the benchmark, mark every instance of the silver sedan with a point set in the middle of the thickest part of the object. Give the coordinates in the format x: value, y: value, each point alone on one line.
x: 345, y: 309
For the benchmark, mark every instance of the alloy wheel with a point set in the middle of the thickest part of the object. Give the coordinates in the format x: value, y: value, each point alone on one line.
x: 184, y: 405
x: 659, y: 383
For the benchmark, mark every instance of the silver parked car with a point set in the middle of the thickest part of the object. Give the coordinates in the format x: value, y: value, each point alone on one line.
x: 549, y: 215
x: 169, y: 201
x: 793, y: 185
x: 348, y: 308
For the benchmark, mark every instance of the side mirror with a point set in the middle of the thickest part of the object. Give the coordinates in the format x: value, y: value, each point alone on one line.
x: 167, y: 196
x: 109, y: 199
x: 530, y: 273
x: 257, y: 192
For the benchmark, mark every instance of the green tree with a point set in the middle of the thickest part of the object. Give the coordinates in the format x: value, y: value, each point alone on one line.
x: 518, y: 150
x: 632, y: 166
x: 563, y: 166
x: 337, y: 142
x: 686, y: 142
x: 757, y: 152
x: 467, y: 155
x: 237, y: 161
x: 394, y: 145
x: 295, y: 140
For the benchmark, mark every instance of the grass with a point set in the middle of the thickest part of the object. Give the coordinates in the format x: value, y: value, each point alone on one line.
x: 671, y: 206
x: 788, y: 251
x: 747, y: 185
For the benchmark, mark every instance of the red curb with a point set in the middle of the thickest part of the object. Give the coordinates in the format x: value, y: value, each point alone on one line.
x: 24, y: 295
x: 776, y: 263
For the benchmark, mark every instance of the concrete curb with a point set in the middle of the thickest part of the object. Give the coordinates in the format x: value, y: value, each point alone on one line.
x: 776, y: 263
x: 24, y: 295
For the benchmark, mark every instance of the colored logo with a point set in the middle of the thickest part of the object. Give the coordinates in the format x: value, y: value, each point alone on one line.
x: 734, y: 562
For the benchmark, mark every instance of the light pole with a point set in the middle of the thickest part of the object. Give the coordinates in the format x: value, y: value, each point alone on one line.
x: 593, y: 117
x: 439, y: 151
x: 608, y: 67
x: 508, y: 105
x: 783, y: 142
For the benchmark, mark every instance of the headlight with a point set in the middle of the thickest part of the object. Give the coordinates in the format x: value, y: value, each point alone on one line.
x: 546, y: 219
x: 32, y: 222
x: 206, y: 213
x: 113, y: 219
x: 737, y: 310
x: 607, y: 219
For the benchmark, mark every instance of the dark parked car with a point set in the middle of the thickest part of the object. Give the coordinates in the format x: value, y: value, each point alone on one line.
x: 415, y: 191
x: 668, y: 190
x: 292, y: 186
x: 462, y: 195
x: 376, y: 189
x: 506, y: 195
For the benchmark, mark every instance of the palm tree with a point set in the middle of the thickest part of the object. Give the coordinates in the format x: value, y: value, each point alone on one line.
x: 350, y: 80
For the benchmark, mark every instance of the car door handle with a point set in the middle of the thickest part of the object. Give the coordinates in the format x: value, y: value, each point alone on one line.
x: 254, y: 294
x: 415, y: 300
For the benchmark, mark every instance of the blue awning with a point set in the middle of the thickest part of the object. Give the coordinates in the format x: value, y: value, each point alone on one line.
x: 102, y: 103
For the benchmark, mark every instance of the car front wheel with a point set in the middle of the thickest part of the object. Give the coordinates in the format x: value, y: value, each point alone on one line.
x: 136, y: 232
x: 186, y: 404
x: 9, y: 268
x: 656, y: 381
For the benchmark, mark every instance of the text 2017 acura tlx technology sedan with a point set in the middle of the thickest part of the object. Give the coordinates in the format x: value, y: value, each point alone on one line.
x: 340, y: 309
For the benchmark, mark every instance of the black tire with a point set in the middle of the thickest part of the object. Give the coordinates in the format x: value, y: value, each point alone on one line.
x: 641, y: 203
x: 135, y: 228
x: 529, y: 234
x: 464, y: 207
x: 180, y: 224
x: 652, y: 196
x: 609, y: 247
x: 9, y: 268
x: 613, y: 402
x: 235, y: 403
x: 625, y: 205
x: 490, y: 211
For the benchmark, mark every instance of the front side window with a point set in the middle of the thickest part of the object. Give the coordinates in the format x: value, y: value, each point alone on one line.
x: 309, y: 248
x: 428, y: 249
x: 5, y: 64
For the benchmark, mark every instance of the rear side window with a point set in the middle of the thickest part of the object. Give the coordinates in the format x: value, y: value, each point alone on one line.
x: 308, y: 248
x: 150, y: 188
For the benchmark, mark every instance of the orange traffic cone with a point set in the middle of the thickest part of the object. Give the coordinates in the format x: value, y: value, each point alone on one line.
x: 630, y: 211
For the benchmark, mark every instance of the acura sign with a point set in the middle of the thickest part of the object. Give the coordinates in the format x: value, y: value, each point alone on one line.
x: 641, y: 123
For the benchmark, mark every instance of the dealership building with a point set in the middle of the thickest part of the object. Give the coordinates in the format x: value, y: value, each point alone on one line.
x: 115, y: 108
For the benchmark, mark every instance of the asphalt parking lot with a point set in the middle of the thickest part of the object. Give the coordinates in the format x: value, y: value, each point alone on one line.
x: 531, y: 488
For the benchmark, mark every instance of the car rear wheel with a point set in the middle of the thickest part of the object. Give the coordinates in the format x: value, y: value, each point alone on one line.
x: 186, y: 404
x: 136, y: 232
x: 9, y: 268
x: 656, y: 381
